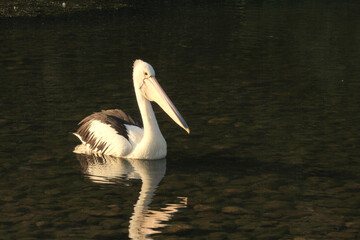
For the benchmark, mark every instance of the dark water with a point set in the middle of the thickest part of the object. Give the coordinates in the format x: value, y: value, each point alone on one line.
x: 270, y: 91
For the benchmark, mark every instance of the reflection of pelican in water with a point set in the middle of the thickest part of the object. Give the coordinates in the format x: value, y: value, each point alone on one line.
x: 106, y: 169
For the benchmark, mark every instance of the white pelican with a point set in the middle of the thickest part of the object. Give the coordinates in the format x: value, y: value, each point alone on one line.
x: 115, y: 133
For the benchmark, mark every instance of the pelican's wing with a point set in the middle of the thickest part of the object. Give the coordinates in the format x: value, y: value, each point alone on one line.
x: 107, y: 132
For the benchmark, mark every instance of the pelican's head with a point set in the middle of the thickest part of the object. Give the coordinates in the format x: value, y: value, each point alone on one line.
x: 147, y: 85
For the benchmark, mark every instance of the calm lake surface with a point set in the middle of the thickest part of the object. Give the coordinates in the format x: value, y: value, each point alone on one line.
x: 270, y: 91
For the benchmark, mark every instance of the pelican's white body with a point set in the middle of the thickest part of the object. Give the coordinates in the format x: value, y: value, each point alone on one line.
x: 143, y: 143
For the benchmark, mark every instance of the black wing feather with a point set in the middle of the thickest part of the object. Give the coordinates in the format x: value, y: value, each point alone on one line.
x: 114, y: 117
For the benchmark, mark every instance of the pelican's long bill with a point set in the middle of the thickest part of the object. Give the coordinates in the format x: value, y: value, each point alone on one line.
x: 157, y: 94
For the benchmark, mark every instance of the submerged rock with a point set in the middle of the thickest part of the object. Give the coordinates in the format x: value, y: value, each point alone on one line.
x: 201, y: 208
x: 179, y: 227
x: 232, y: 210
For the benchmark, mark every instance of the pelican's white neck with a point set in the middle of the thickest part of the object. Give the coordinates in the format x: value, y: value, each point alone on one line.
x: 153, y: 144
x: 151, y: 126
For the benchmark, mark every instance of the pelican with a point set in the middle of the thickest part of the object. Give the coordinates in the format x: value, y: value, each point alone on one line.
x: 115, y: 133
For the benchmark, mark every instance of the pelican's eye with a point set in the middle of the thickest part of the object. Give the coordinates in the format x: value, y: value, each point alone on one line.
x: 146, y: 74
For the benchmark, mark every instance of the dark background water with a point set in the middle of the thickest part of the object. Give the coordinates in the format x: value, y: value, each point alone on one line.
x: 270, y: 91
